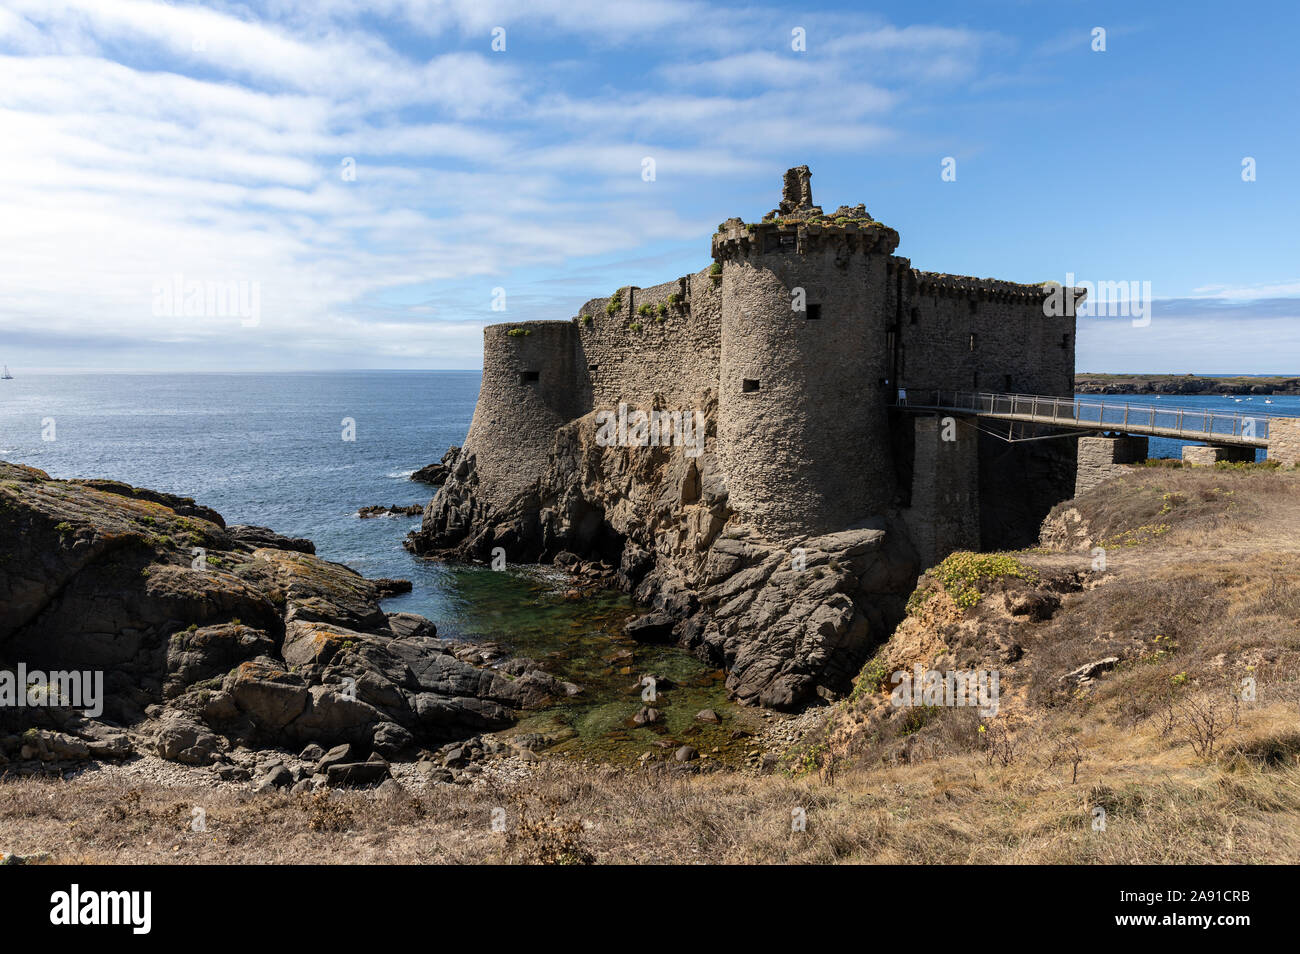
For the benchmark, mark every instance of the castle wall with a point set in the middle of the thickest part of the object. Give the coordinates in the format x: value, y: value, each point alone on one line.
x: 674, y: 355
x: 803, y: 432
x: 945, y: 511
x: 981, y: 335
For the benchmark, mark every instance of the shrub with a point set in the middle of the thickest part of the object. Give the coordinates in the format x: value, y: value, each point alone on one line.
x: 963, y: 573
x: 715, y: 269
x: 635, y: 326
x: 519, y: 332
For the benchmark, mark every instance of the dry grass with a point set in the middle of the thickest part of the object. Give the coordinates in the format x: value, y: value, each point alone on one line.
x: 953, y: 810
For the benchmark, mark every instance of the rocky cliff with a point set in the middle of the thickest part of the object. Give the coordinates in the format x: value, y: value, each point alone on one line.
x: 214, y: 640
x: 788, y: 622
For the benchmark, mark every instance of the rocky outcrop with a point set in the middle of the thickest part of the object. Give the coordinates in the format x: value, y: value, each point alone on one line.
x: 788, y: 621
x: 212, y: 638
x: 393, y: 510
x: 437, y: 474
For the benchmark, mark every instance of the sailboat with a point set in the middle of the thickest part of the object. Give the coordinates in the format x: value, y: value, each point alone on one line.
x: 6, y: 376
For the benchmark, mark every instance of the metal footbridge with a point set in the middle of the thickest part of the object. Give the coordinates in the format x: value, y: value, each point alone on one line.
x: 1089, y: 414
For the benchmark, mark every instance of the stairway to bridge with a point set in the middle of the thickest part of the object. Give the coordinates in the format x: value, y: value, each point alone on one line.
x: 1089, y: 414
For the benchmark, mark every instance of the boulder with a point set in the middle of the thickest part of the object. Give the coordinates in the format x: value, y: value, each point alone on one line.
x: 254, y: 538
x: 268, y: 693
x: 357, y: 773
x: 651, y: 628
x: 178, y: 737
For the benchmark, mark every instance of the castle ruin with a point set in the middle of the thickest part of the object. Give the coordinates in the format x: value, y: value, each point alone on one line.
x: 800, y: 344
x: 807, y: 326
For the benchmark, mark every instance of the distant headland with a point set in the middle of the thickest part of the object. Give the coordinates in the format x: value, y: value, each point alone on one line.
x: 1186, y: 384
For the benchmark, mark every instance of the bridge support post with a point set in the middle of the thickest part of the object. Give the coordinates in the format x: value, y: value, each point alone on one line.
x: 1101, y: 458
x: 1284, y: 440
x: 1213, y: 453
x: 945, y: 511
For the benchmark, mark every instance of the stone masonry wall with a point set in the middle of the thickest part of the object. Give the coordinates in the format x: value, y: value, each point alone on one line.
x: 517, y: 415
x: 803, y: 432
x: 629, y: 356
x: 1210, y: 454
x: 945, y: 511
x: 982, y: 335
x: 1101, y: 458
x: 1284, y: 440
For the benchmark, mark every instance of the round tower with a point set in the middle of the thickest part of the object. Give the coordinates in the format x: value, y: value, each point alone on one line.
x: 528, y: 391
x: 803, y: 434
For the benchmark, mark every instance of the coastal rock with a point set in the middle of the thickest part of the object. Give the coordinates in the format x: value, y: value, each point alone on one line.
x: 393, y: 510
x: 257, y: 537
x: 180, y: 738
x: 785, y: 630
x: 437, y: 474
x: 206, y: 652
x: 214, y: 637
x: 653, y: 627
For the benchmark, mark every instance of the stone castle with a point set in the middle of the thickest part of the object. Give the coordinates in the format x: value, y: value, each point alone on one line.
x: 795, y: 344
x: 806, y: 327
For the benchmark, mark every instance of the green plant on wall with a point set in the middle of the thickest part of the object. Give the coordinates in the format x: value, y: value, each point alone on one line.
x: 519, y: 332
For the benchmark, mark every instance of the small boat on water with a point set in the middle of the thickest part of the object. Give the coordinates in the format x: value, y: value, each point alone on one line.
x: 6, y: 376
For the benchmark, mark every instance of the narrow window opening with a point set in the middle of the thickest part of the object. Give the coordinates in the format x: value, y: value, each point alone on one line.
x: 749, y: 385
x: 592, y: 367
x: 528, y: 377
x: 972, y: 341
x: 1065, y: 340
x: 1006, y: 384
x: 916, y: 315
x: 974, y: 305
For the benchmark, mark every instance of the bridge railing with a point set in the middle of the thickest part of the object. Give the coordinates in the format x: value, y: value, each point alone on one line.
x: 1194, y: 423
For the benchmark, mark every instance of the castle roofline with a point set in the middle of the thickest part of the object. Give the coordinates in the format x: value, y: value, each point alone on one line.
x: 990, y: 289
x: 738, y: 236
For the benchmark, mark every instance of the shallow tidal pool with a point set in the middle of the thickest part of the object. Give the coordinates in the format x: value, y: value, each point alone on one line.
x: 524, y: 610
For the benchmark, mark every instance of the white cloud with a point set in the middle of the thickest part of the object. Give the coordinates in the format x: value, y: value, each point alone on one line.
x: 148, y: 139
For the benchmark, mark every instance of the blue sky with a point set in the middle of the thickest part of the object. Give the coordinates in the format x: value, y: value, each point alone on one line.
x: 146, y: 140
